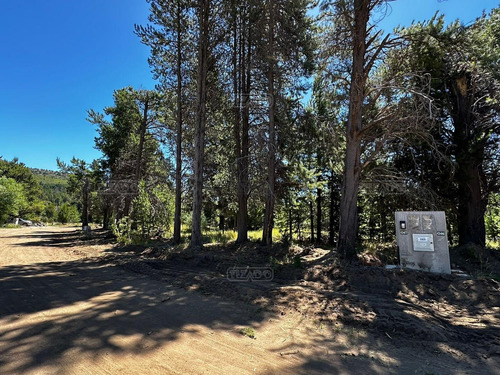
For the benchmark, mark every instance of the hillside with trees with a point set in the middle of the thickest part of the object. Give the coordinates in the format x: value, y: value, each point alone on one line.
x: 54, y: 185
x: 34, y: 194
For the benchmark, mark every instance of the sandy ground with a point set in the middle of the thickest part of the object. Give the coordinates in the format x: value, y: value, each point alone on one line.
x: 68, y: 307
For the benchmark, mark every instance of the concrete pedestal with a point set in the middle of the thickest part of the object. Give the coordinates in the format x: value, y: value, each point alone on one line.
x: 423, y: 241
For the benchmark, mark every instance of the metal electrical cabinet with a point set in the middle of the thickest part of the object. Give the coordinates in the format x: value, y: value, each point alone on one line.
x: 423, y: 241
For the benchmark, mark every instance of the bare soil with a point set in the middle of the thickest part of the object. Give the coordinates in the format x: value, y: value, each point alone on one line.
x: 73, y: 305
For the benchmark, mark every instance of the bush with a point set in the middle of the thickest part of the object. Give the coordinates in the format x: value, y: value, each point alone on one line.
x: 492, y: 219
x: 152, y: 211
x: 122, y: 229
x: 12, y: 198
x: 68, y: 214
x: 151, y: 216
x: 50, y: 212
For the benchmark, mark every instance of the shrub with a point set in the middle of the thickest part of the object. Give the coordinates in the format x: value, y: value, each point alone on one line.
x: 151, y: 216
x: 68, y: 214
x: 12, y: 198
x: 122, y: 229
x: 152, y: 211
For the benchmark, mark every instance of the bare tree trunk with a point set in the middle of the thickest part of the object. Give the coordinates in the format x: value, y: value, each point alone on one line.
x: 105, y: 216
x: 471, y: 206
x: 222, y: 222
x: 348, y: 230
x: 383, y: 225
x: 178, y: 138
x: 331, y: 214
x: 318, y: 215
x: 142, y: 136
x: 299, y: 226
x: 243, y: 161
x: 85, y: 203
x: 240, y: 124
x: 138, y: 162
x: 311, y: 220
x: 267, y: 234
x: 469, y: 176
x: 199, y: 142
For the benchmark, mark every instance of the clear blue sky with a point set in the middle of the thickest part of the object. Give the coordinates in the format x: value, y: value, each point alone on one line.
x: 60, y: 58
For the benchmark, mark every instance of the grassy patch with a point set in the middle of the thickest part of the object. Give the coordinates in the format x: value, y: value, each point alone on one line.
x: 494, y: 245
x: 10, y: 226
x: 224, y: 237
x: 218, y: 236
x: 248, y: 332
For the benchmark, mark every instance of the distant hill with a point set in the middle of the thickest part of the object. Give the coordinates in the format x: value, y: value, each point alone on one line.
x: 47, y: 172
x: 53, y: 185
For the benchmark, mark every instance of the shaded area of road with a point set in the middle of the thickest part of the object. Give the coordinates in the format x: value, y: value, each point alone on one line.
x: 65, y: 307
x: 63, y: 316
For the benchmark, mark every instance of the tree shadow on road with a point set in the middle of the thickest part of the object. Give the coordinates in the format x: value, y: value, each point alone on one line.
x: 86, y: 306
x: 66, y: 239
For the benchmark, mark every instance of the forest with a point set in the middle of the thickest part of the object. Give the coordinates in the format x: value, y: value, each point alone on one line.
x: 38, y: 195
x: 292, y: 121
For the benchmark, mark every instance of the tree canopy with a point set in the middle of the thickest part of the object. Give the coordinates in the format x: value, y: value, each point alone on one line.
x: 307, y: 128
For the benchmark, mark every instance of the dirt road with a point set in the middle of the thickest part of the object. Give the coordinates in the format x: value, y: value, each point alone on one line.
x: 66, y: 309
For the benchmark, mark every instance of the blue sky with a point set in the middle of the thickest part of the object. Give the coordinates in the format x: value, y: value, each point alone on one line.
x: 60, y: 58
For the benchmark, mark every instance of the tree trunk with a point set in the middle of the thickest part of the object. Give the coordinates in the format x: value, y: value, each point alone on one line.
x: 383, y: 224
x: 331, y: 214
x: 240, y: 125
x: 105, y: 216
x: 142, y: 136
x: 318, y: 215
x: 199, y: 141
x: 178, y: 138
x: 299, y: 226
x: 469, y: 156
x: 243, y: 162
x: 471, y: 207
x: 311, y: 220
x: 222, y: 223
x: 85, y: 203
x: 348, y: 230
x: 267, y: 234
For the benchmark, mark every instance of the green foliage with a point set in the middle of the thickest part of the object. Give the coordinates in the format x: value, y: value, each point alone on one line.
x: 248, y: 332
x: 54, y: 186
x: 50, y: 211
x: 23, y: 175
x: 12, y: 198
x: 68, y: 214
x: 122, y: 229
x: 152, y: 210
x: 188, y: 217
x: 218, y: 236
x: 151, y: 216
x: 11, y: 226
x: 27, y: 191
x: 96, y: 207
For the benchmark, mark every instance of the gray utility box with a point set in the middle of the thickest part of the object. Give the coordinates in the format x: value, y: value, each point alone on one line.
x: 423, y: 241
